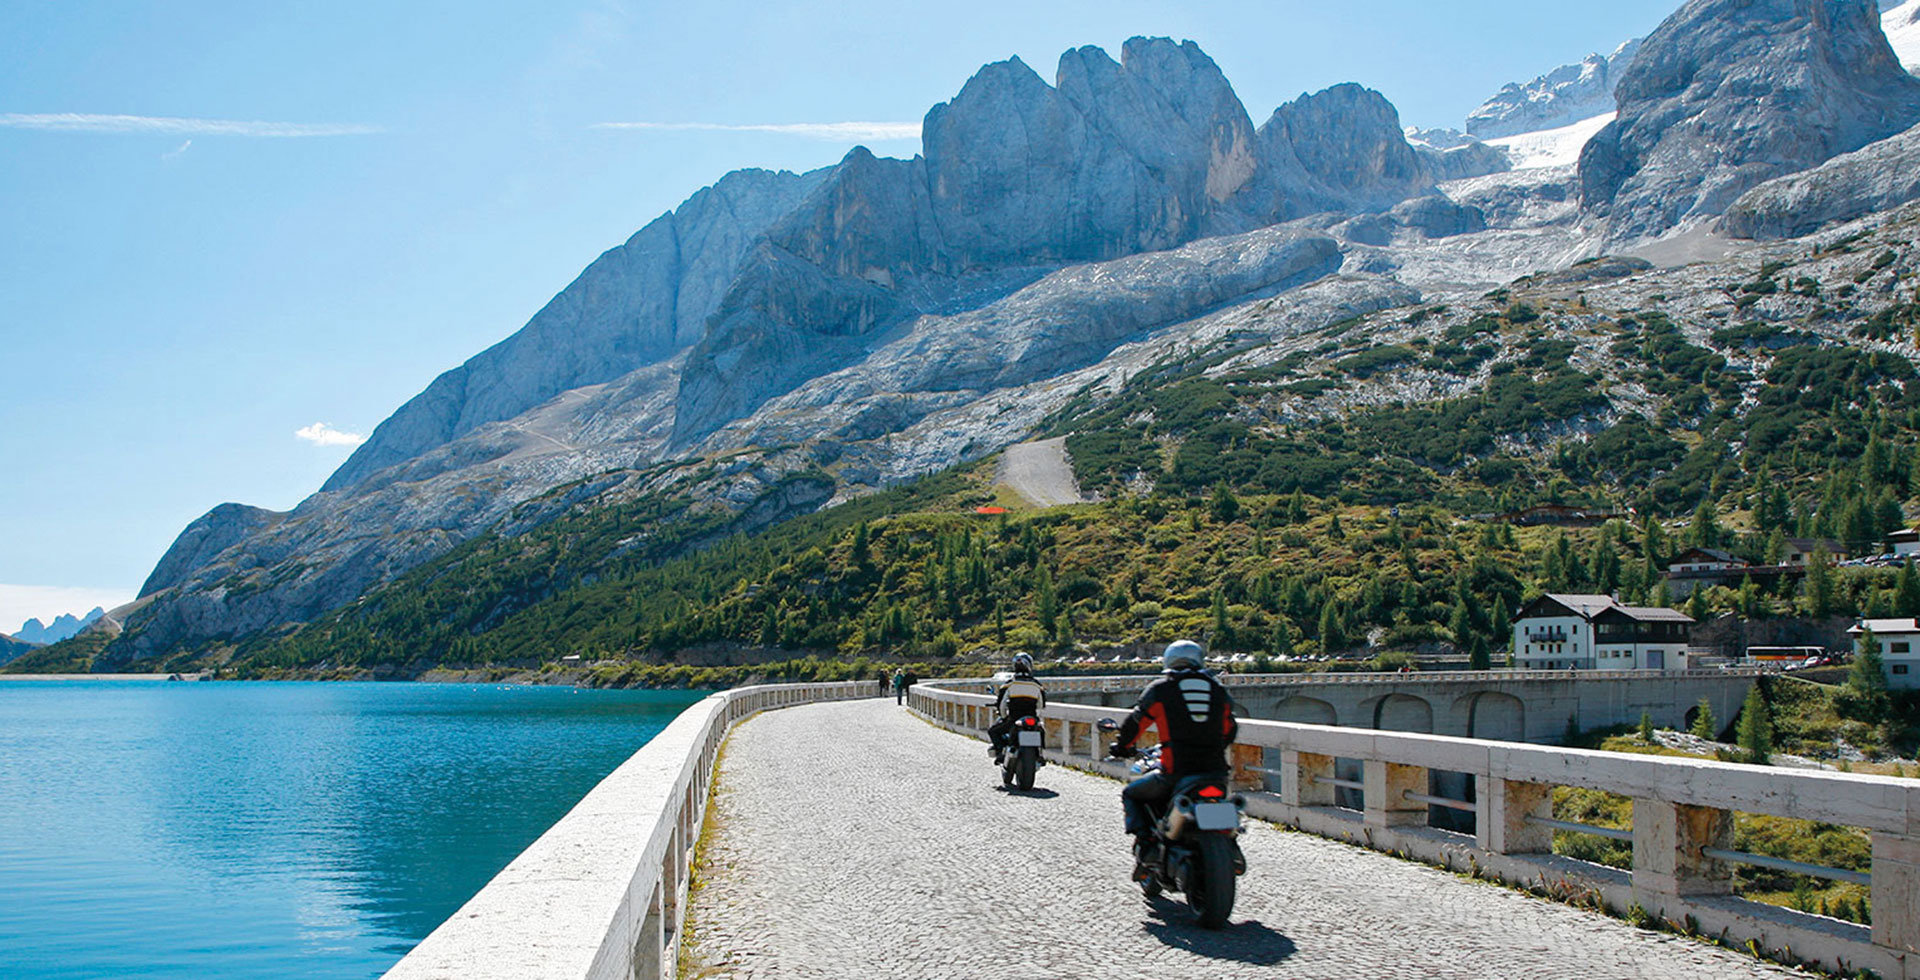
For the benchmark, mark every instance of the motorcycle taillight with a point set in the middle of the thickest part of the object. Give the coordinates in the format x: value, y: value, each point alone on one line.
x: 1212, y: 792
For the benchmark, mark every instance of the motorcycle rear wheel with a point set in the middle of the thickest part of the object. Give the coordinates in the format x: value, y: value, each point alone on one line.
x: 1024, y: 767
x: 1212, y: 896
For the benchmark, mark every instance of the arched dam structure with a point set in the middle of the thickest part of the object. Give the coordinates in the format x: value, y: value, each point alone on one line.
x: 1537, y: 706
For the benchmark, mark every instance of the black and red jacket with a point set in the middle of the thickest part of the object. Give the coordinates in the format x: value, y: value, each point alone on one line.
x: 1193, y: 714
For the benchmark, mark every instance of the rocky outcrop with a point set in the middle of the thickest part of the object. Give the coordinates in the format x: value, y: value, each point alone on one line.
x: 1876, y: 177
x: 637, y: 304
x: 1728, y: 94
x: 204, y: 539
x: 1019, y: 177
x: 1341, y: 150
x: 1558, y: 98
x: 1473, y: 159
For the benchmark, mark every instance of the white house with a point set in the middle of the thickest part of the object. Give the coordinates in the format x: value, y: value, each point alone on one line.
x: 1597, y: 632
x: 1899, y: 649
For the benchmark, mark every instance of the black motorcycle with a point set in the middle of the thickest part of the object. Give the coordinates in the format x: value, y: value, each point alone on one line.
x: 1194, y: 847
x: 1020, y: 758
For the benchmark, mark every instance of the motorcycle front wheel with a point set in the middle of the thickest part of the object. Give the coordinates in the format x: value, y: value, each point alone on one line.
x: 1212, y: 896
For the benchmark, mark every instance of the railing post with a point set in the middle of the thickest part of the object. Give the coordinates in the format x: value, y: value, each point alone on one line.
x: 650, y: 945
x: 1244, y: 759
x: 1667, y: 863
x: 1306, y: 781
x: 1387, y: 785
x: 1895, y: 892
x: 1501, y: 826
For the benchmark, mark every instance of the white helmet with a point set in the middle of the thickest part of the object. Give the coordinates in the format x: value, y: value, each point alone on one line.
x: 1184, y: 652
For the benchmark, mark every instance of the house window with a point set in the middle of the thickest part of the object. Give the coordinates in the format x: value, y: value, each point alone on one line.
x: 1901, y: 647
x: 1899, y: 668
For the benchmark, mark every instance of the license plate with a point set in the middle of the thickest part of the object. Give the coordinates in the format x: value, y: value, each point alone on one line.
x: 1030, y: 738
x: 1216, y: 816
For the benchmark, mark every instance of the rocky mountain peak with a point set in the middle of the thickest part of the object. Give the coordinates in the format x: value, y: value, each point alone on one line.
x: 1348, y: 142
x: 1727, y: 94
x: 1558, y: 98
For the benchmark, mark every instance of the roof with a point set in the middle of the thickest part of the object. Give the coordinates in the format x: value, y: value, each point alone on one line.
x: 1907, y: 625
x: 1585, y: 606
x: 1907, y: 534
x: 1656, y: 614
x: 1712, y: 554
x: 1589, y: 606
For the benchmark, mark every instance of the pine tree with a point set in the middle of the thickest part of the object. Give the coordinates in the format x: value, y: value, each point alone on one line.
x: 1906, y: 591
x: 1223, y: 638
x: 1646, y: 727
x: 1297, y: 508
x: 1280, y: 642
x: 1333, y: 632
x: 1705, y: 531
x: 1704, y: 724
x: 1867, y: 681
x: 1819, y: 585
x: 1225, y: 506
x: 1046, y: 603
x: 1756, y: 727
x: 1479, y: 657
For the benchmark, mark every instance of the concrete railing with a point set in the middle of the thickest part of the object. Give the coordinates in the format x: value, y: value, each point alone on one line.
x: 1682, y: 830
x: 1117, y: 682
x: 602, y: 893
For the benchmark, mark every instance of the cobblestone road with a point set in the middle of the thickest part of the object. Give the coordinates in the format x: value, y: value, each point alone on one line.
x: 856, y: 841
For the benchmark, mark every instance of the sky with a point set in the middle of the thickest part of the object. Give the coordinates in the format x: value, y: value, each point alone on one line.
x: 234, y: 237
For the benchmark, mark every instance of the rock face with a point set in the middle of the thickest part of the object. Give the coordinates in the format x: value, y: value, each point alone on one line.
x: 1019, y: 177
x: 1876, y: 177
x: 1727, y: 94
x: 637, y: 304
x: 1561, y: 97
x: 214, y: 532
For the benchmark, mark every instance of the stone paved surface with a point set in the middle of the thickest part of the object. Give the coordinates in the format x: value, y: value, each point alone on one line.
x: 855, y: 840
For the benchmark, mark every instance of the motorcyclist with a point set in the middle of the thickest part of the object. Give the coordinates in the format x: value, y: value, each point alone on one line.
x: 1021, y: 696
x: 1193, y: 714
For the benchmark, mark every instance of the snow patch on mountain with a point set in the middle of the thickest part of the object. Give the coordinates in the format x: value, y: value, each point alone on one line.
x: 1558, y: 147
x: 1902, y: 24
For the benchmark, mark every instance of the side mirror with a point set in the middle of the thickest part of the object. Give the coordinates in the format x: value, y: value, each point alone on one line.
x: 1107, y: 725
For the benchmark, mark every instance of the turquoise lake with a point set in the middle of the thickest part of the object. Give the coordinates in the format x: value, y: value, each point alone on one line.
x: 242, y: 830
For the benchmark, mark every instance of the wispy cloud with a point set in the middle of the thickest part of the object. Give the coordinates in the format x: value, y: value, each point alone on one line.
x: 88, y: 122
x: 838, y: 132
x: 174, y: 154
x: 322, y: 434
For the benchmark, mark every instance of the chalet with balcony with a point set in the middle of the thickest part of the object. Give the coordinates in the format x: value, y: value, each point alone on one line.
x: 1598, y: 632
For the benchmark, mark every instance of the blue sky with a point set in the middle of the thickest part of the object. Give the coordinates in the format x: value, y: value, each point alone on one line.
x: 309, y: 209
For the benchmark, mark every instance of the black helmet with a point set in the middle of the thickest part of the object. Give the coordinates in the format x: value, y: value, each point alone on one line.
x: 1023, y: 665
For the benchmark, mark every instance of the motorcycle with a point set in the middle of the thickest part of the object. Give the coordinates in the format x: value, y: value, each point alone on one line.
x: 1020, y: 758
x: 1195, y: 846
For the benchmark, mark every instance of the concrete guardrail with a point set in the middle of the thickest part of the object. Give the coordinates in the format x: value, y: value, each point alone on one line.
x: 1682, y: 830
x: 601, y: 895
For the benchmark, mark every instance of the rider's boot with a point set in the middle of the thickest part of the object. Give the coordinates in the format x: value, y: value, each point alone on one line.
x: 1146, y: 854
